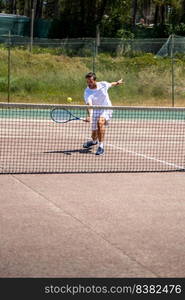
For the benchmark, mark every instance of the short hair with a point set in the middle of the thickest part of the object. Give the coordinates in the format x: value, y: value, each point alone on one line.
x: 91, y: 74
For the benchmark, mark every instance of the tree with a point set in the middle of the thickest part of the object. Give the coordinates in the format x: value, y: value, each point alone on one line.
x: 52, y: 9
x: 75, y: 18
x: 162, y: 8
x: 39, y: 9
x: 134, y: 11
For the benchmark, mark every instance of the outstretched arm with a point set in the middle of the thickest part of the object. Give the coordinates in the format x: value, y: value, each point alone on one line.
x: 117, y: 82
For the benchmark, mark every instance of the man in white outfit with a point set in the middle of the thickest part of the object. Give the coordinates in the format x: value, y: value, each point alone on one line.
x: 96, y: 93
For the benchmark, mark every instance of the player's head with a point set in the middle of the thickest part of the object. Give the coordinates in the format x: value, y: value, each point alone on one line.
x: 91, y: 79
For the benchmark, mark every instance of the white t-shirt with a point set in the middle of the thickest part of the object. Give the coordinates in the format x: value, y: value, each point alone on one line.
x: 98, y: 96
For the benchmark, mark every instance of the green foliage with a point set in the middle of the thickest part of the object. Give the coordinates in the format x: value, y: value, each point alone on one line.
x: 125, y: 34
x: 48, y: 78
x: 3, y: 84
x: 179, y: 29
x: 116, y: 18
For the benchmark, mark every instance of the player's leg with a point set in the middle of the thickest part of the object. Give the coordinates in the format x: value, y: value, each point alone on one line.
x: 103, y: 121
x: 101, y: 134
x: 101, y: 129
x: 94, y: 134
x: 92, y: 142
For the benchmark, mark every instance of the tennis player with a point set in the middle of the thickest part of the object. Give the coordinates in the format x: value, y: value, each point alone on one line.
x: 96, y: 93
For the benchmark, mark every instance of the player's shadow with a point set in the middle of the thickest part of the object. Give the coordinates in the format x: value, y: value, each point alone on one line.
x: 69, y: 152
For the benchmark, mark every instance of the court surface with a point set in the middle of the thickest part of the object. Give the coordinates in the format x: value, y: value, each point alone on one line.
x: 92, y: 225
x: 136, y: 140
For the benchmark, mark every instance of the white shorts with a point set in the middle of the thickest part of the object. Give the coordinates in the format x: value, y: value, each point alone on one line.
x: 100, y: 113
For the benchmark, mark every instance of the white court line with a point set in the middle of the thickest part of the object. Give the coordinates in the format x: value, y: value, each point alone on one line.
x: 147, y: 157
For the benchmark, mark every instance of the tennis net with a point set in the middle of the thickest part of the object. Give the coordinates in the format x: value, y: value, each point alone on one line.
x: 137, y: 139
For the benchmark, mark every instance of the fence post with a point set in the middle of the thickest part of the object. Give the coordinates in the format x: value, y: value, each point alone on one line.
x: 94, y: 56
x: 172, y: 69
x: 32, y: 29
x: 9, y: 45
x: 97, y: 38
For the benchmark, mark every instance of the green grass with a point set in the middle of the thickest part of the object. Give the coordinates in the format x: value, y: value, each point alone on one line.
x: 48, y: 78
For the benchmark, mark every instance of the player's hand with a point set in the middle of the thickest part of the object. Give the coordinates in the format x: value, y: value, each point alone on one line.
x: 88, y: 119
x: 120, y: 81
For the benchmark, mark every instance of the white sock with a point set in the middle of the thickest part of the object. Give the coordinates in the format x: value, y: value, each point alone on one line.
x: 101, y: 144
x: 94, y: 142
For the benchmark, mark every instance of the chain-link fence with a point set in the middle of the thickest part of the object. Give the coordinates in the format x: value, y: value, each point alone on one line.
x: 48, y: 71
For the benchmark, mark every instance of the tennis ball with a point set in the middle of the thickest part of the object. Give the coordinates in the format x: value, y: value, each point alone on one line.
x: 69, y: 99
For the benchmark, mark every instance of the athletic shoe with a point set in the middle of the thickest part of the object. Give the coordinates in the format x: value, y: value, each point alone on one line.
x: 89, y: 144
x: 100, y: 151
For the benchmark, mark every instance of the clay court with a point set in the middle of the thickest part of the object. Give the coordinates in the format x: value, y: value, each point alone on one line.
x: 93, y: 225
x: 123, y: 217
x: 137, y: 140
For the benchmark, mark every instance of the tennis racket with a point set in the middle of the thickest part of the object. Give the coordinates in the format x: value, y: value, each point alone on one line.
x: 62, y: 115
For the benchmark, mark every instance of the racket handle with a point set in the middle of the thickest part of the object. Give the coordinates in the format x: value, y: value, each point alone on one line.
x: 88, y: 119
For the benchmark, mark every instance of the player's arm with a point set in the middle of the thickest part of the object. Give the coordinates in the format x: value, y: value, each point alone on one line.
x: 89, y: 111
x: 88, y: 101
x: 116, y: 83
